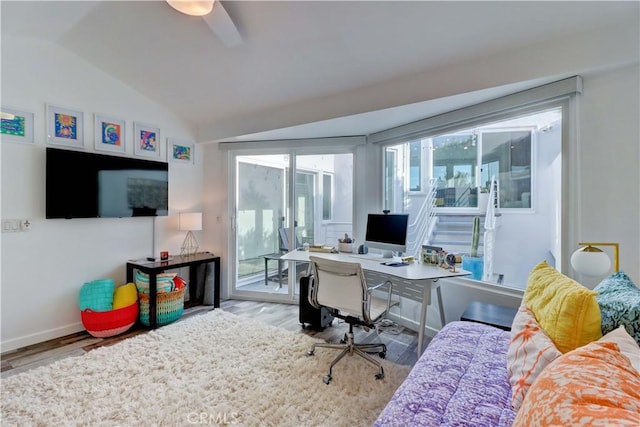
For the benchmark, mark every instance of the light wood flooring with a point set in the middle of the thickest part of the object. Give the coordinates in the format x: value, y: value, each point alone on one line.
x: 401, y: 342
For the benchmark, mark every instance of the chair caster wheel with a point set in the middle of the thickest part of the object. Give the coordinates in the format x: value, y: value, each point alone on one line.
x: 379, y: 375
x: 326, y: 379
x: 382, y: 355
x: 310, y: 353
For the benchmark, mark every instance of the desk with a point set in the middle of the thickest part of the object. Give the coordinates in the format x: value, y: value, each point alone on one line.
x: 177, y: 261
x: 421, y: 274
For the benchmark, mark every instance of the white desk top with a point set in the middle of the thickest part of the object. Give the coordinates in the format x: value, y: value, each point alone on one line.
x: 413, y: 271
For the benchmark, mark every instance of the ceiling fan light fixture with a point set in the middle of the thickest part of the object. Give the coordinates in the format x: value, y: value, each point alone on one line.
x: 192, y: 7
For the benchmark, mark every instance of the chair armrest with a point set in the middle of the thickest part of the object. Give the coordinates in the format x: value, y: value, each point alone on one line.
x: 373, y: 288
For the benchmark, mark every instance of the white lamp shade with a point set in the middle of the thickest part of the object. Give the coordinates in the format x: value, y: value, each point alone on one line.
x: 192, y: 7
x: 590, y: 263
x: 190, y: 221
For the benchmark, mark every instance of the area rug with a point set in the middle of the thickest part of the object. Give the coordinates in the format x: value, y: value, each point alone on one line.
x: 212, y: 369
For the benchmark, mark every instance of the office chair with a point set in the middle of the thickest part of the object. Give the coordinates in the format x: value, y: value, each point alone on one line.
x: 342, y: 289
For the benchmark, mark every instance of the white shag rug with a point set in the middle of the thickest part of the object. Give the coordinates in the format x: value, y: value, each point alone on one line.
x: 212, y: 369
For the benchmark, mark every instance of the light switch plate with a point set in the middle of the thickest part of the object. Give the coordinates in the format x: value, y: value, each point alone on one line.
x: 10, y: 225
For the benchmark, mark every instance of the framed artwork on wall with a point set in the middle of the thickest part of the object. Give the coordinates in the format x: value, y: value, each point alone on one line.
x: 146, y: 140
x: 16, y: 125
x: 180, y: 151
x: 65, y: 126
x: 109, y: 134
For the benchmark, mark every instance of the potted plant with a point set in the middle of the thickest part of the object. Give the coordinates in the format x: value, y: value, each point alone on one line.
x: 472, y: 262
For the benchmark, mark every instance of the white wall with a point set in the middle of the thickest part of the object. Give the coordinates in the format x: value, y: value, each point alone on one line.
x: 43, y: 269
x: 609, y: 152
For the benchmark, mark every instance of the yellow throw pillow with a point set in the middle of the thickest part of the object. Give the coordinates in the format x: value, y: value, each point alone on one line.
x: 125, y: 295
x: 567, y: 311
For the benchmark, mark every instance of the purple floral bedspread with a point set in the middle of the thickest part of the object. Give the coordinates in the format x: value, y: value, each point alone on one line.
x: 460, y: 380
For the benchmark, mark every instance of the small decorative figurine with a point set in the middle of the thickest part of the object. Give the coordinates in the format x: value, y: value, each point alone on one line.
x: 451, y: 260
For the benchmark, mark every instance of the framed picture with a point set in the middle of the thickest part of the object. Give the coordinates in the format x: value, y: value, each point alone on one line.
x: 109, y: 134
x: 146, y: 140
x: 180, y: 151
x: 16, y: 126
x: 65, y: 126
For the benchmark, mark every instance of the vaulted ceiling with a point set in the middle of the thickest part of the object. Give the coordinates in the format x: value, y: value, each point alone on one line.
x: 296, y: 57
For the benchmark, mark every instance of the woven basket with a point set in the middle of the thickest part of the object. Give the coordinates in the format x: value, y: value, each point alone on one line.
x: 169, y: 307
x: 109, y: 323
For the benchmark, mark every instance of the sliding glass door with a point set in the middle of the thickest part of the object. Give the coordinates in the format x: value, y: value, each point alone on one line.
x: 272, y: 216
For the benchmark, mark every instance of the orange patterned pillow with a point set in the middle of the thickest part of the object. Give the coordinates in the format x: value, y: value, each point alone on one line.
x: 591, y: 385
x: 530, y: 351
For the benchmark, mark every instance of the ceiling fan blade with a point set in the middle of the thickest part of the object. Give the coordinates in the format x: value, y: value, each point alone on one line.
x: 221, y: 24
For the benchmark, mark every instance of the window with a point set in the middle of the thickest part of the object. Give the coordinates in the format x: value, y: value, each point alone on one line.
x: 327, y: 197
x: 391, y: 170
x: 504, y: 154
x: 507, y: 156
x: 415, y: 166
x: 462, y: 163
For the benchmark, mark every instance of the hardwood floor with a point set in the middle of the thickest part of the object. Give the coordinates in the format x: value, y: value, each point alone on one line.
x: 401, y: 342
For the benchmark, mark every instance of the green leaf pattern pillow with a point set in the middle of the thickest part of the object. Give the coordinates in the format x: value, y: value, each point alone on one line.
x: 619, y: 301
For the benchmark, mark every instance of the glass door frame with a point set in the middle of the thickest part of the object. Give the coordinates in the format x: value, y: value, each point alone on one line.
x: 291, y: 296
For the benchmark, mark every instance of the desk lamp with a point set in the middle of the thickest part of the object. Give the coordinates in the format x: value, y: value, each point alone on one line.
x: 190, y: 222
x: 592, y: 261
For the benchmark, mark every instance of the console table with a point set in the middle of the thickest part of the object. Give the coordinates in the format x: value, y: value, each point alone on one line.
x: 153, y: 268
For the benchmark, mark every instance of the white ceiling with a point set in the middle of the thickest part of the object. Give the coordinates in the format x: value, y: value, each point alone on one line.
x: 296, y: 51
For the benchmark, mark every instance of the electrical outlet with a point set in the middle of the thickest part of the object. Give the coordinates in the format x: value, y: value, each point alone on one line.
x: 25, y: 225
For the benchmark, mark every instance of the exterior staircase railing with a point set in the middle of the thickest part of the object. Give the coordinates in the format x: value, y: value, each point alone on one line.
x: 423, y: 222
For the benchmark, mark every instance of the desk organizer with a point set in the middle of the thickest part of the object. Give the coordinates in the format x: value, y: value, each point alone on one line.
x: 345, y: 247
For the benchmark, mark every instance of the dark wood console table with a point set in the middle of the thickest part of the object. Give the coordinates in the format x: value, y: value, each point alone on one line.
x: 153, y: 268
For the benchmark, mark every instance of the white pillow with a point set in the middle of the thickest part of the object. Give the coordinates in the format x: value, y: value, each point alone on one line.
x: 530, y: 351
x: 627, y: 345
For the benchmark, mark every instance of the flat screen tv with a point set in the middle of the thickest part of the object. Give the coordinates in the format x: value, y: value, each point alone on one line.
x: 89, y: 185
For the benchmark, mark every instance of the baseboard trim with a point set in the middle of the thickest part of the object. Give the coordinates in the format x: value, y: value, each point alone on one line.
x: 40, y: 337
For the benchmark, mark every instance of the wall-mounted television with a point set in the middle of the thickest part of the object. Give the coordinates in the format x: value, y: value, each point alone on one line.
x: 90, y: 185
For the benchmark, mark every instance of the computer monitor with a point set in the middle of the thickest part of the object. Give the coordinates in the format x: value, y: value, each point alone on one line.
x: 387, y: 232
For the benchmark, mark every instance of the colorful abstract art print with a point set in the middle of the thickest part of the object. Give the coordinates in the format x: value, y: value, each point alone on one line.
x: 16, y: 126
x: 109, y: 134
x: 147, y: 140
x: 65, y: 126
x: 180, y: 151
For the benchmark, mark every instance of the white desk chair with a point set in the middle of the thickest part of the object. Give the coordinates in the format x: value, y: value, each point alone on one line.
x: 342, y: 289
